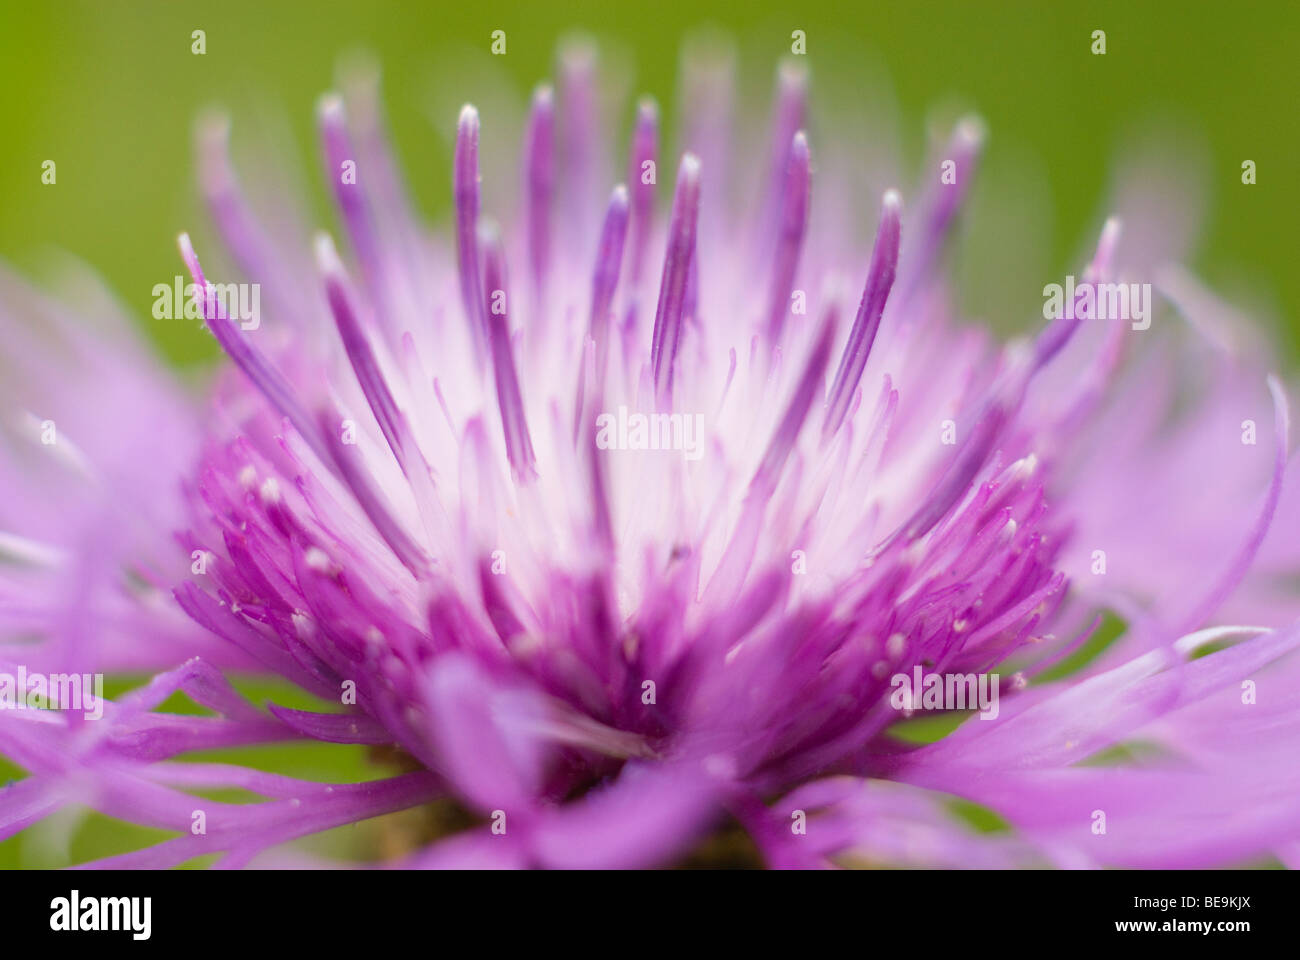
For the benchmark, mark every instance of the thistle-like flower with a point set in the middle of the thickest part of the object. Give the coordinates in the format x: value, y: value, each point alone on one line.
x: 659, y: 534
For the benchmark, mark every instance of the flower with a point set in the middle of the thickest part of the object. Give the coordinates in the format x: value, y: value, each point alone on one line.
x: 631, y: 542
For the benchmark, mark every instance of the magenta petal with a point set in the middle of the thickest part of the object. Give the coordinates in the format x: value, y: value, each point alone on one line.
x: 486, y: 735
x: 644, y: 818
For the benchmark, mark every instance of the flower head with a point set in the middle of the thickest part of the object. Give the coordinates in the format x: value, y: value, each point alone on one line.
x: 646, y: 532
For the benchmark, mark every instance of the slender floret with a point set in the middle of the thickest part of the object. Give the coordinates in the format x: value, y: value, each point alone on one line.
x: 676, y: 277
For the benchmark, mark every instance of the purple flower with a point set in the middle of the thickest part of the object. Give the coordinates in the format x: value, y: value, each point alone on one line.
x: 660, y: 534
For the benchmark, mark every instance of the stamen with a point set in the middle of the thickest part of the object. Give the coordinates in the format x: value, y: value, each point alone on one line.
x: 732, y: 570
x: 1059, y: 331
x: 600, y: 509
x: 672, y: 288
x: 465, y: 187
x: 345, y: 457
x: 586, y: 384
x: 397, y: 232
x: 959, y: 475
x: 880, y: 278
x: 604, y: 280
x: 691, y: 299
x: 796, y: 411
x: 579, y: 141
x: 708, y: 96
x: 540, y: 160
x: 519, y: 445
x: 351, y: 199
x: 794, y: 218
x: 243, y: 235
x: 278, y: 392
x: 787, y: 120
x: 1109, y: 240
x: 944, y: 200
x: 645, y: 149
x: 282, y: 397
x: 364, y: 364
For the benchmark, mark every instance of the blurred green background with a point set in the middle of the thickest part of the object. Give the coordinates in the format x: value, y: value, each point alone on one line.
x: 110, y: 92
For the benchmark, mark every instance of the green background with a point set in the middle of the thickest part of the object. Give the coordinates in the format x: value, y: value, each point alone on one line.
x: 110, y: 92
